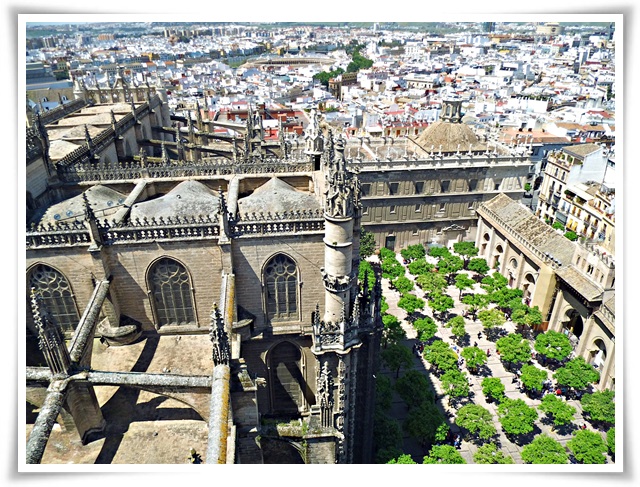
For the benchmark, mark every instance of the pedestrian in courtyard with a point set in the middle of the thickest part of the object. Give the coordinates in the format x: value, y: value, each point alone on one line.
x: 488, y: 352
x: 475, y: 344
x: 479, y: 335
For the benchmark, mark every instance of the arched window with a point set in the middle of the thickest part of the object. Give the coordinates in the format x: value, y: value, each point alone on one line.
x: 56, y: 294
x: 171, y: 293
x: 281, y: 288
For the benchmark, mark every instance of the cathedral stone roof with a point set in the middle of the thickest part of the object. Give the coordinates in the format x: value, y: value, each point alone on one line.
x: 587, y: 289
x: 534, y: 231
x: 187, y: 199
x: 104, y: 201
x: 276, y: 196
x: 449, y: 135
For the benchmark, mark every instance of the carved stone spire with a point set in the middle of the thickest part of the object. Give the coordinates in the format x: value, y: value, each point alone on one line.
x: 91, y: 222
x: 50, y: 338
x: 114, y: 122
x: 219, y: 338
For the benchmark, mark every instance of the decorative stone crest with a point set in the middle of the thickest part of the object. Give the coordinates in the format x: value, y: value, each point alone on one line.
x: 325, y: 395
x: 50, y: 339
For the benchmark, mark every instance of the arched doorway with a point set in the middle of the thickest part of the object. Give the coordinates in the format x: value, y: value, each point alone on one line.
x: 528, y: 287
x: 496, y: 256
x: 485, y: 241
x: 598, y: 353
x: 573, y: 326
x: 286, y: 382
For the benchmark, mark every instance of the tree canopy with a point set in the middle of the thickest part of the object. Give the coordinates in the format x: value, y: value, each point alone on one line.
x: 600, y: 406
x: 393, y: 332
x: 544, y: 450
x: 414, y: 388
x: 493, y: 387
x: 391, y: 268
x: 440, y: 355
x: 413, y: 252
x: 478, y: 265
x: 457, y: 325
x: 532, y: 377
x: 431, y: 283
x: 491, y: 318
x: 367, y: 243
x: 489, y: 454
x: 587, y: 447
x: 553, y: 345
x: 439, y: 252
x: 466, y: 249
x: 611, y: 440
x: 455, y: 383
x: 423, y: 422
x: 464, y: 282
x: 403, y: 284
x: 577, y: 374
x: 475, y: 302
x: 474, y: 357
x: 365, y: 269
x: 524, y: 315
x: 440, y: 303
x: 514, y: 348
x: 449, y: 265
x: 561, y: 411
x: 402, y: 459
x: 443, y: 454
x: 396, y: 357
x: 476, y: 420
x: 516, y: 417
x: 420, y: 266
x: 410, y: 303
x: 426, y: 328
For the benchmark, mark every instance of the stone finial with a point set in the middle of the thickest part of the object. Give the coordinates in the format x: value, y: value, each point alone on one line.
x: 219, y: 338
x: 113, y: 120
x: 87, y: 136
x: 143, y: 157
x: 165, y: 154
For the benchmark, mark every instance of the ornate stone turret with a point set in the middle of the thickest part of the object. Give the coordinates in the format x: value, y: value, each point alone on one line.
x: 451, y: 110
x: 50, y: 339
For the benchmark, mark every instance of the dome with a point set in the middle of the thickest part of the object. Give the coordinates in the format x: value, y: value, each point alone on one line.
x: 187, y: 199
x: 276, y: 196
x: 452, y: 137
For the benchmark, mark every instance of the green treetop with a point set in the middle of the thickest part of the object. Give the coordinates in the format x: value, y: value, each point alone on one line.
x: 410, y: 303
x: 478, y: 265
x: 492, y: 387
x: 514, y: 348
x: 403, y: 284
x: 466, y: 249
x: 426, y: 328
x: 532, y: 377
x: 420, y: 266
x: 402, y: 459
x: 577, y: 374
x: 600, y: 406
x: 443, y: 454
x: 397, y: 357
x: 544, y: 450
x: 553, y: 345
x: 474, y: 357
x: 587, y: 447
x: 464, y: 282
x: 561, y: 411
x: 476, y: 420
x: 413, y: 252
x: 431, y: 283
x: 414, y: 388
x: 457, y: 325
x: 367, y: 243
x: 489, y: 454
x: 455, y: 383
x: 392, y: 332
x: 516, y: 417
x: 491, y: 318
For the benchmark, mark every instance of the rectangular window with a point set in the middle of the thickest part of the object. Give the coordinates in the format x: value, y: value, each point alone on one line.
x: 419, y: 187
x: 496, y: 184
x: 392, y: 209
x: 416, y: 232
x: 393, y: 188
x: 418, y: 208
x: 366, y: 189
x: 473, y: 184
x: 444, y: 186
x: 442, y: 207
x: 365, y: 210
